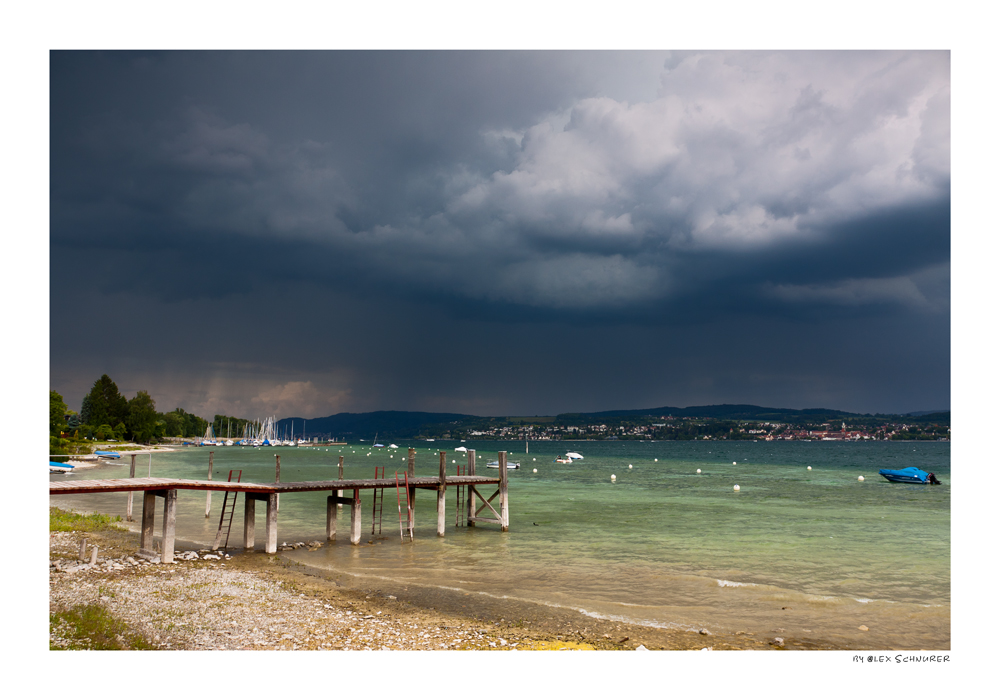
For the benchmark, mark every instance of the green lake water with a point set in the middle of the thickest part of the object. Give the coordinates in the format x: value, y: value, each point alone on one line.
x: 813, y: 554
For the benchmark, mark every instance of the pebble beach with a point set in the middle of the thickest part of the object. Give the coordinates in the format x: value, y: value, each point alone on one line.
x: 253, y: 601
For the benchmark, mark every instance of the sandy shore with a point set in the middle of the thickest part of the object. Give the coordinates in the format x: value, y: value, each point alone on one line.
x: 91, y: 461
x: 259, y: 601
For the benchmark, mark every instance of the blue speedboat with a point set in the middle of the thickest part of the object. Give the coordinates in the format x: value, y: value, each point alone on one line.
x: 910, y: 475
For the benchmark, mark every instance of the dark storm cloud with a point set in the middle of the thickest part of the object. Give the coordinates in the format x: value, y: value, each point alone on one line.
x: 588, y: 203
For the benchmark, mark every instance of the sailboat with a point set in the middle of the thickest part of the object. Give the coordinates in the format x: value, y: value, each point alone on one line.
x: 209, y: 439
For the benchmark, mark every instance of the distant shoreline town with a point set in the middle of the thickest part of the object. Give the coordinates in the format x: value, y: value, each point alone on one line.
x: 713, y: 429
x: 106, y: 415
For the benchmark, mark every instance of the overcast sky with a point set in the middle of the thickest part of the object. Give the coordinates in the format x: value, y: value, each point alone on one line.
x: 299, y: 233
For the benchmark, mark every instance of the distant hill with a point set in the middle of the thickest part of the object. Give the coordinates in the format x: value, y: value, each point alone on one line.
x: 410, y: 424
x: 724, y: 412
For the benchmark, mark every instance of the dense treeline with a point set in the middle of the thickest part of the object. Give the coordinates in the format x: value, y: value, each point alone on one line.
x: 229, y: 426
x: 107, y: 415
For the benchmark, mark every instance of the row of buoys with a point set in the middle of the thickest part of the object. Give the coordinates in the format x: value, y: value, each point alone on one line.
x: 735, y: 487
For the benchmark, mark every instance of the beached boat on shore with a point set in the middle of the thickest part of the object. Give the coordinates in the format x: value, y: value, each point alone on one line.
x: 910, y: 475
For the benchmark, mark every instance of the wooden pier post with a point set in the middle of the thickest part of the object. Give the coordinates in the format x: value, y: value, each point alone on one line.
x: 271, y: 525
x: 131, y: 475
x: 470, y: 499
x: 356, y: 518
x: 332, y: 506
x: 249, y: 520
x: 169, y: 525
x: 504, y: 515
x: 442, y: 488
x: 412, y: 495
x: 340, y: 475
x: 277, y: 480
x: 208, y: 493
x: 148, y: 520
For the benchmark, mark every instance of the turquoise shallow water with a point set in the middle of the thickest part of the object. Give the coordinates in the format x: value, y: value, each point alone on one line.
x: 814, y: 553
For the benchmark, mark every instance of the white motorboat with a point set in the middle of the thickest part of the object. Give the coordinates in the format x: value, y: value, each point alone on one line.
x: 510, y: 465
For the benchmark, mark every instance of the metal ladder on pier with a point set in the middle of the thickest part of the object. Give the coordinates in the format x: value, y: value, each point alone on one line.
x: 460, y: 497
x: 228, y: 508
x: 377, y: 503
x: 409, y: 507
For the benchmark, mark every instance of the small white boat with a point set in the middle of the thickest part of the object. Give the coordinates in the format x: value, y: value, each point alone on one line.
x: 510, y: 465
x: 574, y: 455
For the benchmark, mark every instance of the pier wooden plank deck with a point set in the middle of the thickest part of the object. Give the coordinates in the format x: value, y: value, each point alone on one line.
x: 160, y: 484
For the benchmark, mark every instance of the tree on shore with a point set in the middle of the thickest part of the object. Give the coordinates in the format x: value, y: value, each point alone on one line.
x: 104, y: 405
x: 180, y: 423
x: 57, y: 413
x: 142, y: 417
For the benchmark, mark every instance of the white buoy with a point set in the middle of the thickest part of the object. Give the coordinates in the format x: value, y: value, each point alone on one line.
x: 736, y: 488
x: 532, y: 459
x: 630, y: 466
x: 861, y: 478
x: 613, y: 477
x: 699, y: 471
x: 734, y: 464
x: 809, y: 468
x: 656, y: 460
x: 534, y: 471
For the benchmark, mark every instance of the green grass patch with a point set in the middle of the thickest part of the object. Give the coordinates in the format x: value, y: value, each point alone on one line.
x: 93, y: 627
x: 65, y: 521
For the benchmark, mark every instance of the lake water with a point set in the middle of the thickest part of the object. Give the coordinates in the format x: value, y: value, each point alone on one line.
x: 815, y: 553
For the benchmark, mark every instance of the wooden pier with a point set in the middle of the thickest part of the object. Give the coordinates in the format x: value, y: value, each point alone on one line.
x: 167, y: 489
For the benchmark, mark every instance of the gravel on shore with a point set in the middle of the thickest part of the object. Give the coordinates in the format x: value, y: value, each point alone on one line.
x: 212, y: 600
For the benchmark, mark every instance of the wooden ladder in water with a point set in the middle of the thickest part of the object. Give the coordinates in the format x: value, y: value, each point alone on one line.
x: 409, y: 507
x: 377, y: 503
x: 228, y: 508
